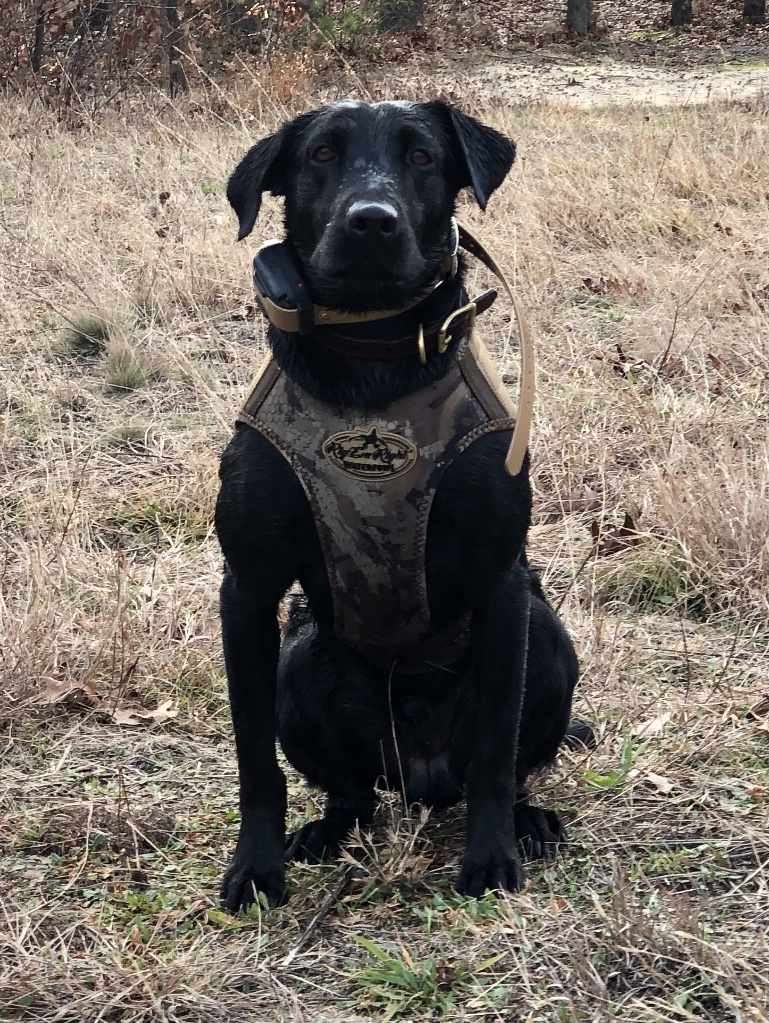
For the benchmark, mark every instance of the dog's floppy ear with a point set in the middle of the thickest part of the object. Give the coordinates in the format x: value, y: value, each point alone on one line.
x: 484, y: 155
x: 264, y: 168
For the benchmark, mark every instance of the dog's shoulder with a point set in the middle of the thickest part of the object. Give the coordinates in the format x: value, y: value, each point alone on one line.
x: 260, y: 496
x: 478, y: 473
x: 480, y: 512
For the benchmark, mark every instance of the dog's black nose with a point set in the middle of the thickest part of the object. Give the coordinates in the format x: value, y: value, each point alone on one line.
x: 374, y: 220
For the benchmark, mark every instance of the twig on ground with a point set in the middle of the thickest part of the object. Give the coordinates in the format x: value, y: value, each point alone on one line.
x: 325, y: 907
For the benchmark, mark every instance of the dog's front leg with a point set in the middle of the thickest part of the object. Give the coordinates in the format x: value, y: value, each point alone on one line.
x: 251, y: 641
x: 500, y: 636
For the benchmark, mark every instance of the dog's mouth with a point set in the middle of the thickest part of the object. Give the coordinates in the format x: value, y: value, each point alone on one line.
x: 358, y: 287
x: 361, y: 274
x: 374, y: 280
x: 366, y: 275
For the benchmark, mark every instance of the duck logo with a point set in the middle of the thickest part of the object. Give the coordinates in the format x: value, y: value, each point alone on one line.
x: 370, y: 454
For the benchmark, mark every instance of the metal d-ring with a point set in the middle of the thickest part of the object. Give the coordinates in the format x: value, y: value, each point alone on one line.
x: 470, y: 308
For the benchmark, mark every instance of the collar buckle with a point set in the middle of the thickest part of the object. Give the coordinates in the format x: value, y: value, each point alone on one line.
x: 442, y: 343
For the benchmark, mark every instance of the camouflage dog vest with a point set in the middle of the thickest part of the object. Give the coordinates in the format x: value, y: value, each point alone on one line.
x: 370, y: 480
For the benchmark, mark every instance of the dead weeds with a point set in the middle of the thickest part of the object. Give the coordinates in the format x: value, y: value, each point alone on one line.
x: 636, y: 238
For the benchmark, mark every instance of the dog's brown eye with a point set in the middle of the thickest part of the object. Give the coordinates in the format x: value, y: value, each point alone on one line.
x: 420, y: 157
x: 323, y: 154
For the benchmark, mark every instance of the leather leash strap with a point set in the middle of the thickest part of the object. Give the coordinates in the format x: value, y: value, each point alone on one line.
x: 522, y: 429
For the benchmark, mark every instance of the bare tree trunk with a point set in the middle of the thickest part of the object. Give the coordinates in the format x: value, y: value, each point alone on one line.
x: 400, y: 14
x: 177, y: 78
x: 578, y: 14
x: 681, y: 12
x: 754, y: 11
x: 36, y: 58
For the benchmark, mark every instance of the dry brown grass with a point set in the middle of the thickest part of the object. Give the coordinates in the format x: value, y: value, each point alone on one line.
x: 630, y: 227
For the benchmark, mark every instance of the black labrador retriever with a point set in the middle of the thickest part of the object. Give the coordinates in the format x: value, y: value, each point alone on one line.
x: 370, y: 193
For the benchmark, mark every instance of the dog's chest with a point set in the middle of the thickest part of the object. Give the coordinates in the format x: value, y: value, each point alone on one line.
x: 370, y: 480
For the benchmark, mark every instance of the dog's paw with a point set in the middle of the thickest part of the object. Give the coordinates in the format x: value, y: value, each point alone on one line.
x: 539, y: 832
x: 315, y: 842
x: 247, y: 876
x: 493, y: 871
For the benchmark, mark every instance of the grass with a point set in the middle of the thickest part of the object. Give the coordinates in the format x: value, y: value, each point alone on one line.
x: 394, y: 984
x: 87, y: 336
x: 649, y: 316
x: 123, y: 371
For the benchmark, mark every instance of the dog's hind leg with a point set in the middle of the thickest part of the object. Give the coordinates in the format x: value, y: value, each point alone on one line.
x: 552, y: 672
x: 579, y: 735
x: 323, y: 839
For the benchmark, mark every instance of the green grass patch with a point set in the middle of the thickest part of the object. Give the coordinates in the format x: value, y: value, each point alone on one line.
x: 656, y: 578
x: 130, y: 437
x: 160, y: 516
x: 126, y: 369
x: 87, y: 336
x: 396, y: 984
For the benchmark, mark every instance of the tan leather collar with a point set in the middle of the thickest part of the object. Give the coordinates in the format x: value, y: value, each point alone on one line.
x: 288, y: 319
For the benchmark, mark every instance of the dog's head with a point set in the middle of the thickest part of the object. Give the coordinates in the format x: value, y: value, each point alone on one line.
x: 369, y: 191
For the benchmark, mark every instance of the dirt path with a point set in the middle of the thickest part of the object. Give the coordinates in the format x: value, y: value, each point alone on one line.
x: 557, y: 76
x: 600, y: 83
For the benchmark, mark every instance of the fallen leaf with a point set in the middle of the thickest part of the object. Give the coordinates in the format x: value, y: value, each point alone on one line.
x: 616, y: 539
x: 759, y: 709
x: 415, y: 865
x: 719, y: 364
x: 127, y: 716
x: 596, y: 287
x: 218, y: 917
x: 671, y: 368
x: 651, y: 727
x: 33, y: 874
x: 623, y: 364
x: 133, y: 716
x: 661, y: 784
x: 612, y: 286
x: 580, y: 499
x: 58, y: 690
x: 247, y: 311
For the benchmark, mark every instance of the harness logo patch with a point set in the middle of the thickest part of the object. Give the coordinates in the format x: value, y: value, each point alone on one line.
x: 371, y: 453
